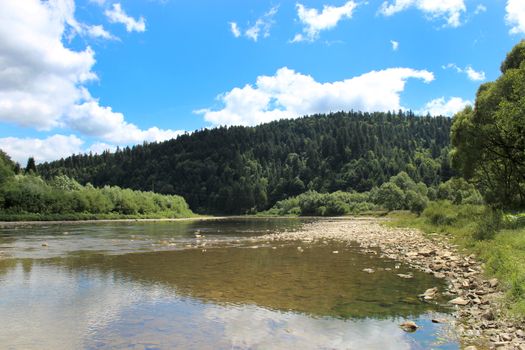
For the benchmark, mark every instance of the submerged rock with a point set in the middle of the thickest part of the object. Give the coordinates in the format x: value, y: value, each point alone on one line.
x: 429, y: 294
x: 409, y: 326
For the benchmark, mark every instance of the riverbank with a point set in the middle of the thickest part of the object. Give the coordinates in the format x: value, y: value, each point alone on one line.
x: 476, y: 299
x: 90, y: 221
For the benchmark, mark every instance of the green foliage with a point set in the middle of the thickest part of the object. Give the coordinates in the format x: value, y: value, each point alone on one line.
x: 29, y: 196
x: 478, y: 229
x: 416, y: 202
x: 31, y: 166
x: 401, y: 192
x: 312, y: 203
x: 489, y: 139
x: 390, y: 196
x: 459, y: 191
x: 441, y: 213
x: 488, y: 224
x: 514, y: 58
x: 248, y: 169
x: 514, y: 221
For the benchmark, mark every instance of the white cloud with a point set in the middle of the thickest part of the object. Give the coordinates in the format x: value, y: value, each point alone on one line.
x: 474, y: 75
x: 235, y: 29
x: 450, y: 10
x: 288, y: 94
x: 440, y: 106
x: 515, y: 16
x: 470, y: 72
x: 118, y: 15
x: 314, y: 21
x: 43, y: 83
x: 395, y: 45
x: 101, y: 147
x: 262, y: 26
x: 39, y: 77
x: 480, y: 9
x: 98, y: 31
x: 51, y: 148
x: 92, y: 119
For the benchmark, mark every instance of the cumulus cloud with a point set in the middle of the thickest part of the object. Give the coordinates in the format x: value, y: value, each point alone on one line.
x: 470, y: 72
x: 91, y: 119
x: 262, y: 26
x: 43, y: 82
x: 289, y: 94
x: 315, y: 21
x: 50, y: 148
x: 395, y: 45
x: 515, y: 16
x: 440, y: 106
x: 39, y: 76
x: 117, y: 15
x: 449, y: 10
x: 101, y: 147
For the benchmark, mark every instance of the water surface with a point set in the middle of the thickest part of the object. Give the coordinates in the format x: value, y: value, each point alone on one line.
x: 204, y: 285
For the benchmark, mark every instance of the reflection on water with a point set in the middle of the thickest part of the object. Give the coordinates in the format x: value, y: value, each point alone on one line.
x: 233, y: 295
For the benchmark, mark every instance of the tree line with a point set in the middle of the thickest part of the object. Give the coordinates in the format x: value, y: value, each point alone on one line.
x: 236, y: 170
x: 25, y: 195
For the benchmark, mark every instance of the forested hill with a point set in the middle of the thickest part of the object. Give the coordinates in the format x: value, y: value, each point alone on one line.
x: 243, y: 169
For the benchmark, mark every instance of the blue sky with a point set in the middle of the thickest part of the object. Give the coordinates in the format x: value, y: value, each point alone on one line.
x: 88, y: 75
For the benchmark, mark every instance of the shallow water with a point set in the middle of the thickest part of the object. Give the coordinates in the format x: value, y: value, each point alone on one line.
x: 204, y: 285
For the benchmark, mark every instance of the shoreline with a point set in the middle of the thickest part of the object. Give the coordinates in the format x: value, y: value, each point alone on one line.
x: 4, y: 224
x: 95, y: 221
x: 477, y: 301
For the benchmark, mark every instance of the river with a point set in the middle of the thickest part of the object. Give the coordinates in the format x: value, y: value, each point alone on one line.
x: 205, y: 285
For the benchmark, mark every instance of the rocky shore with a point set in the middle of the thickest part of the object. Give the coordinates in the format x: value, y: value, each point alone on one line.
x: 477, y: 300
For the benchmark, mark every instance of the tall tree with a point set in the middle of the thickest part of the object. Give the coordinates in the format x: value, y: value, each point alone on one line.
x: 31, y: 166
x: 489, y: 139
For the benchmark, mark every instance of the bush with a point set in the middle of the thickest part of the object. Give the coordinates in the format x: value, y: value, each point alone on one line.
x: 416, y: 202
x: 488, y: 224
x: 312, y: 203
x: 441, y: 213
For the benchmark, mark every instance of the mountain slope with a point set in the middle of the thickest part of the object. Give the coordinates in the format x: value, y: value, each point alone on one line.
x: 241, y: 169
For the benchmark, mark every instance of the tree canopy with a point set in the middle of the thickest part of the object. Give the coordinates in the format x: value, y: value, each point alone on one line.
x: 489, y: 139
x: 248, y: 169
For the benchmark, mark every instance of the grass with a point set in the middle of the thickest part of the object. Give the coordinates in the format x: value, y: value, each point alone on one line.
x: 498, y: 239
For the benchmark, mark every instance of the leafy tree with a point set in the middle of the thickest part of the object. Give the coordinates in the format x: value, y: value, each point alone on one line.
x: 390, y: 196
x: 489, y: 139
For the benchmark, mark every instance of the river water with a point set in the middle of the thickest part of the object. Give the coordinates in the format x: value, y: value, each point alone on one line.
x: 205, y: 285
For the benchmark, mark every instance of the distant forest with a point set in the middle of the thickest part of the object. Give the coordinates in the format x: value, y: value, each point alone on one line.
x: 236, y: 170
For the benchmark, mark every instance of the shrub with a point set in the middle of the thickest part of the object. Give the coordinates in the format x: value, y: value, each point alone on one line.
x: 488, y: 224
x: 441, y: 213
